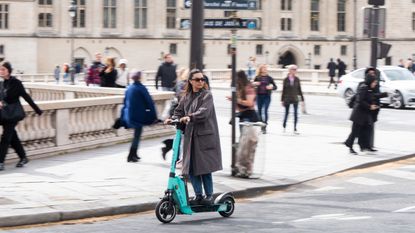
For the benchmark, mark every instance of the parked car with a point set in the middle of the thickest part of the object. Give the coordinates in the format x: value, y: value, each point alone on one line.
x: 398, y: 82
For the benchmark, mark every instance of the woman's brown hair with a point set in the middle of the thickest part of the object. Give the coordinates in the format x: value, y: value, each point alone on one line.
x: 189, y: 87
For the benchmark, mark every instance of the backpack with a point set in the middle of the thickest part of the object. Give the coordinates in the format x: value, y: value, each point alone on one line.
x: 352, y: 101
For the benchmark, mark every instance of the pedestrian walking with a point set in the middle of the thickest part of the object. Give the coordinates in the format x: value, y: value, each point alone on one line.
x: 122, y: 80
x: 66, y: 72
x: 93, y: 78
x: 410, y: 65
x: 245, y: 99
x: 248, y: 140
x: 109, y: 73
x: 265, y: 85
x: 402, y: 63
x: 57, y: 73
x: 251, y: 64
x: 183, y: 77
x: 362, y: 114
x: 331, y: 66
x: 11, y: 112
x: 166, y: 73
x: 372, y: 72
x: 138, y: 111
x: 341, y: 67
x: 202, y: 152
x: 290, y: 91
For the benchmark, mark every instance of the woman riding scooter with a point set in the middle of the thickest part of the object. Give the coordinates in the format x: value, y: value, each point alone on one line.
x: 202, y: 152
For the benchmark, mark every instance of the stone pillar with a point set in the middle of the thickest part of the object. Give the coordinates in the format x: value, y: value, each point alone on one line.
x: 62, y: 130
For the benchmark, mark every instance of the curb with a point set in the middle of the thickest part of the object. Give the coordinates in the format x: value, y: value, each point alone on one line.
x: 58, y: 216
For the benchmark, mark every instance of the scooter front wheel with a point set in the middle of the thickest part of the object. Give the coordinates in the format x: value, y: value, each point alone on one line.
x: 230, y: 207
x: 166, y: 211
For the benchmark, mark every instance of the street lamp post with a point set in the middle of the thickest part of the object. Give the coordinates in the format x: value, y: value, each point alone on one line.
x: 72, y: 14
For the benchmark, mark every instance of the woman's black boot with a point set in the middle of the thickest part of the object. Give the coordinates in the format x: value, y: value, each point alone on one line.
x: 1, y: 166
x: 22, y: 162
x: 132, y: 156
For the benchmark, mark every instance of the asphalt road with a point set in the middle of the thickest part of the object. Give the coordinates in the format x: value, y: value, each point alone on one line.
x: 379, y: 199
x: 327, y: 110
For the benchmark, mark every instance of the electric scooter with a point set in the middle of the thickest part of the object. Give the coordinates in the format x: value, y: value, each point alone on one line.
x: 176, y: 197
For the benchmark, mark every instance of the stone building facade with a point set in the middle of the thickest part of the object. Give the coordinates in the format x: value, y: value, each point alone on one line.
x: 36, y: 35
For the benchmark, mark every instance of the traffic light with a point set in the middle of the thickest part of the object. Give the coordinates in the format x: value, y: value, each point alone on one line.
x: 383, y: 50
x: 376, y: 2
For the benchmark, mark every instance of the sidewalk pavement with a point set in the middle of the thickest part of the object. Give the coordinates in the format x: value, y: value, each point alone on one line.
x: 100, y: 182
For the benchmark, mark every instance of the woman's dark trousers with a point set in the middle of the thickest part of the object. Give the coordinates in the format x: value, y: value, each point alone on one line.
x: 287, y: 111
x: 10, y: 138
x: 263, y: 102
x: 362, y: 132
x: 136, y: 140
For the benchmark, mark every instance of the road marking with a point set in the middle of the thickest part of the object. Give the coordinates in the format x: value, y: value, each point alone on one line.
x: 336, y: 217
x: 328, y: 188
x: 327, y: 216
x: 407, y: 209
x: 398, y: 174
x: 367, y: 181
x: 278, y: 223
x: 354, y: 218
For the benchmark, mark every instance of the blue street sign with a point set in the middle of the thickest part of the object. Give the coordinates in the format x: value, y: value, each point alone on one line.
x: 224, y: 24
x: 226, y: 4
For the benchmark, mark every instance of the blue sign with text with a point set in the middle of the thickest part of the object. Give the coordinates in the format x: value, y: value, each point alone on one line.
x: 224, y: 24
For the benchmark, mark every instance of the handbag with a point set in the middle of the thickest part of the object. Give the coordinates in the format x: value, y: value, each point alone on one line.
x: 12, y: 112
x: 9, y: 113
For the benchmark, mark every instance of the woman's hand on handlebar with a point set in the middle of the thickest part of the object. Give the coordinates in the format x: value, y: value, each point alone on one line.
x: 185, y: 119
x: 168, y: 121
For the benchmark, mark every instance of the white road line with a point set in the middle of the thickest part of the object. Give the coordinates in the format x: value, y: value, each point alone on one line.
x: 354, y: 218
x: 367, y: 181
x: 327, y: 216
x: 328, y: 188
x: 399, y: 174
x: 407, y: 209
x: 335, y: 217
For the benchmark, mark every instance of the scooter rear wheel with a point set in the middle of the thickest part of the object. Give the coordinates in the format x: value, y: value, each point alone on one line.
x: 166, y: 211
x: 230, y: 203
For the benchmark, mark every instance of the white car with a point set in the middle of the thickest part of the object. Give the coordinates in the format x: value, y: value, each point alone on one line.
x: 398, y: 82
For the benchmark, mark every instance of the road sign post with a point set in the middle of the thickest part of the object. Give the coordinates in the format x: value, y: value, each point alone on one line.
x: 196, y: 43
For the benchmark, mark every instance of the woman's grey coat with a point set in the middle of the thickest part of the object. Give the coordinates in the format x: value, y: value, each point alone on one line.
x: 201, y: 146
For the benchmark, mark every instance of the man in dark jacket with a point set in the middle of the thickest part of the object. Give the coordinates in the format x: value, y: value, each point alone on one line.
x: 377, y: 95
x: 362, y: 115
x: 331, y: 66
x: 341, y: 67
x: 167, y: 74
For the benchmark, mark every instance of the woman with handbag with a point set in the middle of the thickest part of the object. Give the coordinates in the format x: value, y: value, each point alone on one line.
x: 245, y: 98
x: 11, y: 113
x: 138, y: 111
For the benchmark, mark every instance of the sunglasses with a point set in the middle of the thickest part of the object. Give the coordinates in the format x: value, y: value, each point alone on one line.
x: 198, y: 79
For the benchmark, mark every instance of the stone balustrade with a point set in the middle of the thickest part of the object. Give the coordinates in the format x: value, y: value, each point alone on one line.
x: 74, y: 121
x: 306, y: 75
